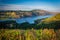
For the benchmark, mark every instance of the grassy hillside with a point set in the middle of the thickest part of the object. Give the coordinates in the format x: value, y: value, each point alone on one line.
x: 53, y: 18
x: 52, y: 22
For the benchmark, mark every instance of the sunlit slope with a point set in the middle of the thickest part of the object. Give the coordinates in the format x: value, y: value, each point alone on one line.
x: 52, y: 22
x: 53, y: 18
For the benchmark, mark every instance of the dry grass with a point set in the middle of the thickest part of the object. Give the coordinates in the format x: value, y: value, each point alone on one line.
x: 41, y: 34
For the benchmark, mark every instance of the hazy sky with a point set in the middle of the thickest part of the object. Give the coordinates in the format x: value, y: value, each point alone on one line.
x: 50, y: 5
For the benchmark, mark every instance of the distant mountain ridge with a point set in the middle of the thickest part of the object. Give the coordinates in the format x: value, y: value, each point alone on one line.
x: 20, y: 13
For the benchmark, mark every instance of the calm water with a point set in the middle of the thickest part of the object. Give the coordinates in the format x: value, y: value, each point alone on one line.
x: 28, y: 19
x: 31, y: 19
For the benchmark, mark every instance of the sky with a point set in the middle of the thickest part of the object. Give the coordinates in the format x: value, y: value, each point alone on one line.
x: 49, y: 5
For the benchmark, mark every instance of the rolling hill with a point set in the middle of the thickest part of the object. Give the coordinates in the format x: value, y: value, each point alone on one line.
x: 52, y: 22
x: 53, y: 18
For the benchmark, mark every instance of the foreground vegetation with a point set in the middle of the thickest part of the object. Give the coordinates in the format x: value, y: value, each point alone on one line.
x: 41, y: 34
